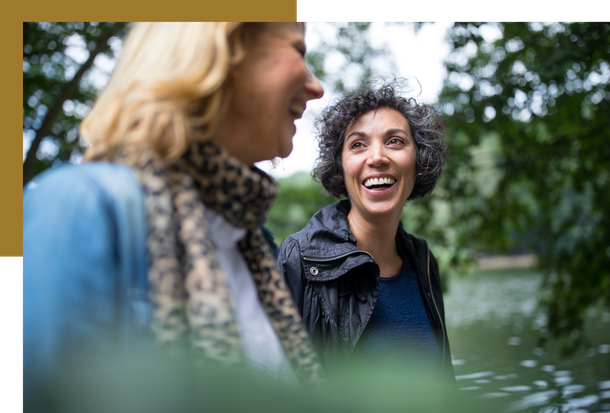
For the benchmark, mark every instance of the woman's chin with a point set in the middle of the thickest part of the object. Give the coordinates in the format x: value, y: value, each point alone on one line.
x: 380, y: 210
x: 285, y: 150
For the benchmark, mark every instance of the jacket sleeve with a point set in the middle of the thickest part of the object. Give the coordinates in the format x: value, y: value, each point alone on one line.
x: 289, y: 264
x: 71, y: 270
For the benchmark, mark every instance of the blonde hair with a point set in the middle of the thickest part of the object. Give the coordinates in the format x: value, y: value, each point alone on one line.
x: 167, y: 89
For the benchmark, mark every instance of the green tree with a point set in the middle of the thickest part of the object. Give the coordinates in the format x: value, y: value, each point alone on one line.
x: 56, y: 91
x: 299, y: 198
x: 529, y: 160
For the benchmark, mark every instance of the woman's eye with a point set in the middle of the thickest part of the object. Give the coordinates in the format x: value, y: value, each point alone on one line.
x: 395, y: 141
x: 356, y: 145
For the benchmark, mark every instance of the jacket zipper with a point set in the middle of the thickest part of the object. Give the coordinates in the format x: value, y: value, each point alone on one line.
x: 436, y: 308
x: 337, y: 257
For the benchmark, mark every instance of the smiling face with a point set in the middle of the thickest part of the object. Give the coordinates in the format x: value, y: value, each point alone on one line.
x: 271, y: 88
x: 379, y: 164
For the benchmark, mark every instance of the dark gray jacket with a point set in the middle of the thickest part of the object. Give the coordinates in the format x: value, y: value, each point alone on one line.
x: 335, y: 284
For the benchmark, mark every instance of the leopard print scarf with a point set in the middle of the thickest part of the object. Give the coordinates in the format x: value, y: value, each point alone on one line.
x: 191, y: 301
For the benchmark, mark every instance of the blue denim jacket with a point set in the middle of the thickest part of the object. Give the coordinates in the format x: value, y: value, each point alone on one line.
x: 84, y: 264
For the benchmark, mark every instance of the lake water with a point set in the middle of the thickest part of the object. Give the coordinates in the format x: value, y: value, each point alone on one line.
x: 494, y: 323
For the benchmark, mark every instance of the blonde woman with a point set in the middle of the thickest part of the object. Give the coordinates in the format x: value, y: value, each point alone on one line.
x: 158, y: 232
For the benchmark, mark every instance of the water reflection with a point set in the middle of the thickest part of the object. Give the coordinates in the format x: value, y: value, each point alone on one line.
x: 493, y: 323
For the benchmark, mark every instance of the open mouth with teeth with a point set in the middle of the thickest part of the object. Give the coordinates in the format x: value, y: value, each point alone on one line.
x: 379, y: 183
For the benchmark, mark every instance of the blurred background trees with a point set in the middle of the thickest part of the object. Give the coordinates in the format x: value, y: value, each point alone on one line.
x: 526, y: 111
x: 57, y: 91
x: 530, y: 155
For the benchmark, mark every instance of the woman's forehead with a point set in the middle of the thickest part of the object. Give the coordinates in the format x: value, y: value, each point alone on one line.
x: 380, y: 117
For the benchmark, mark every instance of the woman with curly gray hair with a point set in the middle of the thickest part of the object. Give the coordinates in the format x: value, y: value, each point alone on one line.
x: 363, y: 285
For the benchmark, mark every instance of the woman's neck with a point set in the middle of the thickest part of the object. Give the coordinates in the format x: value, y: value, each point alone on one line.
x: 377, y: 236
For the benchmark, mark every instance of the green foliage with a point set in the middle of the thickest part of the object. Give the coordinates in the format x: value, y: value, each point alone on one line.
x: 299, y: 198
x: 529, y: 160
x: 430, y: 217
x: 57, y: 94
x: 151, y: 381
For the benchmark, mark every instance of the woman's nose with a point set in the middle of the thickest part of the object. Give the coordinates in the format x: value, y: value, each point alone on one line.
x: 314, y: 87
x: 377, y: 156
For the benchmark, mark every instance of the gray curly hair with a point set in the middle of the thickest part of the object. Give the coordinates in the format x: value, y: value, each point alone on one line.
x: 427, y: 127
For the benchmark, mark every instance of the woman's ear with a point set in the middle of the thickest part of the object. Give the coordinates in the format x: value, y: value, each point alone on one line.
x: 238, y: 42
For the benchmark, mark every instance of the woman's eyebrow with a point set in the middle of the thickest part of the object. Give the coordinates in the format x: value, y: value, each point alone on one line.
x: 357, y: 133
x: 395, y: 130
x: 387, y: 132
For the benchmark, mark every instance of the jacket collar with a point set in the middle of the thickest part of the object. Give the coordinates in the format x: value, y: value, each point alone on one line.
x: 327, y: 233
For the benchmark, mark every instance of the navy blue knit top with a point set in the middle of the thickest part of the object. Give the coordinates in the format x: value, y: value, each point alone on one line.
x: 399, y: 326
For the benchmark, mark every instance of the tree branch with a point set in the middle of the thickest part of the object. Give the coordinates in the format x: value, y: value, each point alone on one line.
x: 67, y: 91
